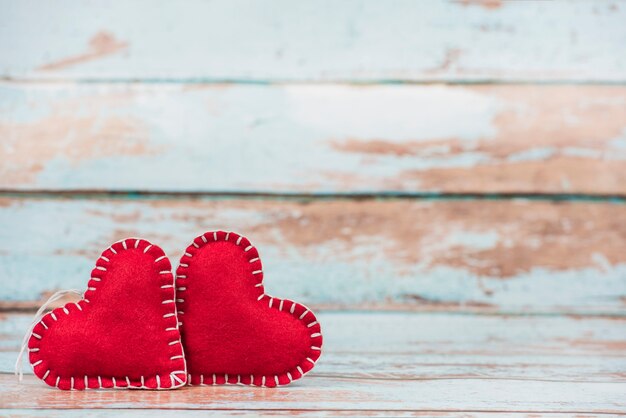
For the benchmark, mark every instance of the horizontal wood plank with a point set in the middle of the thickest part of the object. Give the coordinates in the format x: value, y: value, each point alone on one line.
x: 468, y: 40
x: 314, y: 139
x: 167, y: 413
x: 435, y: 362
x: 340, y: 394
x: 403, y: 346
x: 486, y: 256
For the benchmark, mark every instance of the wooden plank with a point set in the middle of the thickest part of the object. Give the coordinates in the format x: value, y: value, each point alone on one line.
x: 334, y: 138
x: 436, y: 362
x: 438, y: 346
x: 353, y: 396
x: 64, y: 413
x: 486, y: 256
x: 314, y: 41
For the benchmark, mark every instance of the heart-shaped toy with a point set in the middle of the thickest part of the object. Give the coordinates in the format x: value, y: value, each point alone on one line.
x: 233, y: 333
x: 123, y: 333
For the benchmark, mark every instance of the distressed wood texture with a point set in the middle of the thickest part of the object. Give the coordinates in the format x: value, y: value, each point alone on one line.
x: 280, y: 40
x: 402, y: 362
x: 335, y: 138
x: 168, y: 413
x: 486, y: 256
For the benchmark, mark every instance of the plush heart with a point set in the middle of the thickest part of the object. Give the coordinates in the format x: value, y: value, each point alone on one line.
x: 232, y: 331
x: 123, y: 333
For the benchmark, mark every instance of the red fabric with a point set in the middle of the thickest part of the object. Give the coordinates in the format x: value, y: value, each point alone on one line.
x: 232, y: 332
x: 123, y: 333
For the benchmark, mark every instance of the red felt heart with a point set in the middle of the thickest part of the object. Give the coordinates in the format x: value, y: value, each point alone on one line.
x: 232, y: 331
x: 122, y: 334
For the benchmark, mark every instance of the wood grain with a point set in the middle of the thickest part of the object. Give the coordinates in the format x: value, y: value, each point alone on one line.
x: 314, y: 139
x: 402, y: 346
x: 139, y: 413
x: 279, y: 40
x: 485, y: 256
x: 403, y: 362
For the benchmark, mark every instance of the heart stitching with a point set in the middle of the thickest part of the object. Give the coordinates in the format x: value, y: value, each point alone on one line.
x: 297, y: 310
x: 178, y: 374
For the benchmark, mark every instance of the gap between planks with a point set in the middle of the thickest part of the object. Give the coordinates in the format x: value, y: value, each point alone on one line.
x: 308, y: 196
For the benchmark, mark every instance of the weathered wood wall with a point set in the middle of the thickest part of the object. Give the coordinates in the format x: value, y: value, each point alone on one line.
x: 461, y: 163
x: 94, y: 107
